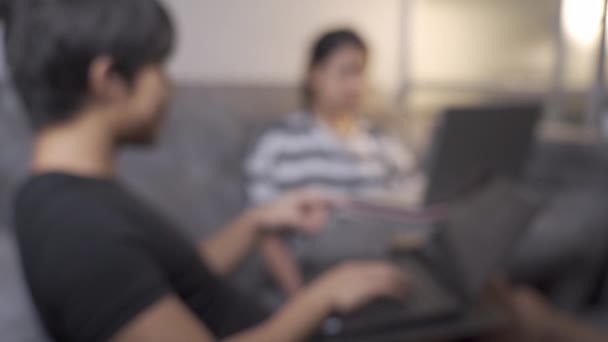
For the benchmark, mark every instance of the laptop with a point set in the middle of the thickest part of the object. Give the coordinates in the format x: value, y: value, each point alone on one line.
x: 471, y: 147
x: 360, y: 232
x: 476, y: 144
x: 452, y: 268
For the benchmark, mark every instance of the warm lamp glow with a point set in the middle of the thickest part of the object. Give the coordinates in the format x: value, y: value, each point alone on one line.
x: 581, y: 19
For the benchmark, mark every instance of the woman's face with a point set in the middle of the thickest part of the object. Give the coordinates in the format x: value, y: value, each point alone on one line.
x: 338, y: 83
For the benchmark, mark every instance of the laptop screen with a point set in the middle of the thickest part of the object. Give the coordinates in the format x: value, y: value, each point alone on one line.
x: 479, y: 143
x: 483, y: 230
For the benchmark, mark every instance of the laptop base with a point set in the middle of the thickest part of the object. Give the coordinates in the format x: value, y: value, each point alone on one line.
x: 489, y: 315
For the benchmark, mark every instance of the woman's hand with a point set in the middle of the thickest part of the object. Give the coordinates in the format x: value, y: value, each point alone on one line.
x: 305, y: 210
x: 354, y: 284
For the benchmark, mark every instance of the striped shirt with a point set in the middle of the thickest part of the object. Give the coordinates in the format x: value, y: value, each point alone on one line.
x: 303, y: 151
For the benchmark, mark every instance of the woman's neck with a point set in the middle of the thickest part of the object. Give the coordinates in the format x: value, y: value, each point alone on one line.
x: 82, y: 148
x: 342, y: 122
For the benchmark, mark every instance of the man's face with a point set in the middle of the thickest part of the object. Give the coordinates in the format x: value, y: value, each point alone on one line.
x: 143, y: 108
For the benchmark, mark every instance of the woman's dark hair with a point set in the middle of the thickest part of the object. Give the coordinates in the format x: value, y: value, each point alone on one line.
x: 52, y: 43
x: 324, y: 47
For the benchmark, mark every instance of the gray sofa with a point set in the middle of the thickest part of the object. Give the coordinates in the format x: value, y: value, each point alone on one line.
x: 18, y: 321
x: 194, y: 175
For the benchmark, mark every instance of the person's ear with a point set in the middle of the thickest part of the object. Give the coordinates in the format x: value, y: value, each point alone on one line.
x: 104, y: 83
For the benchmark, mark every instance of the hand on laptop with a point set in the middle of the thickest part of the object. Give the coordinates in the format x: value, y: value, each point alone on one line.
x: 305, y: 210
x: 354, y: 284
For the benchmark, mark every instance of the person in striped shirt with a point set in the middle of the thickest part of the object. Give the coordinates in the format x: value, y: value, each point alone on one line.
x: 329, y: 144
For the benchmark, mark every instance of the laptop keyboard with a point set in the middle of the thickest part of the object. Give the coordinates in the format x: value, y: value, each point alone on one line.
x: 427, y: 300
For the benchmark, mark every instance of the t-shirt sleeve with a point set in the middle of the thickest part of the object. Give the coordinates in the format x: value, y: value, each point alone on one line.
x: 259, y: 166
x: 94, y: 281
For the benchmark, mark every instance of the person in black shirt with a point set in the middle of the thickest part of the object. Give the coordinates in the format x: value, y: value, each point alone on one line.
x: 101, y: 264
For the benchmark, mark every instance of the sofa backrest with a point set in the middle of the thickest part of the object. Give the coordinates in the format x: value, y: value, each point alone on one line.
x: 18, y: 319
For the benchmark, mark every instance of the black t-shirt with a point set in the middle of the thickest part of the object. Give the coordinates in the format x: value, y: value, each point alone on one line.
x: 95, y: 257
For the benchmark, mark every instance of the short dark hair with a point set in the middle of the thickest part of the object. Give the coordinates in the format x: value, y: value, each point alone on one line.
x: 324, y: 47
x: 52, y: 43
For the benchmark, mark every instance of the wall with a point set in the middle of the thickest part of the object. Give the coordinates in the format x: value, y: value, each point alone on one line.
x: 266, y: 41
x: 480, y: 41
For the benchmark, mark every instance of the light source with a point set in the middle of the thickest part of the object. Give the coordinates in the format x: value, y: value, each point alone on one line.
x: 581, y: 19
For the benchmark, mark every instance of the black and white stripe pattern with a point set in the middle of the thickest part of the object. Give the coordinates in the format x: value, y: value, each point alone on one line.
x: 301, y: 151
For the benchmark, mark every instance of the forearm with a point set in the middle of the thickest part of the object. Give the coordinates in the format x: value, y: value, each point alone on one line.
x: 295, y: 322
x: 227, y: 248
x: 281, y: 264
